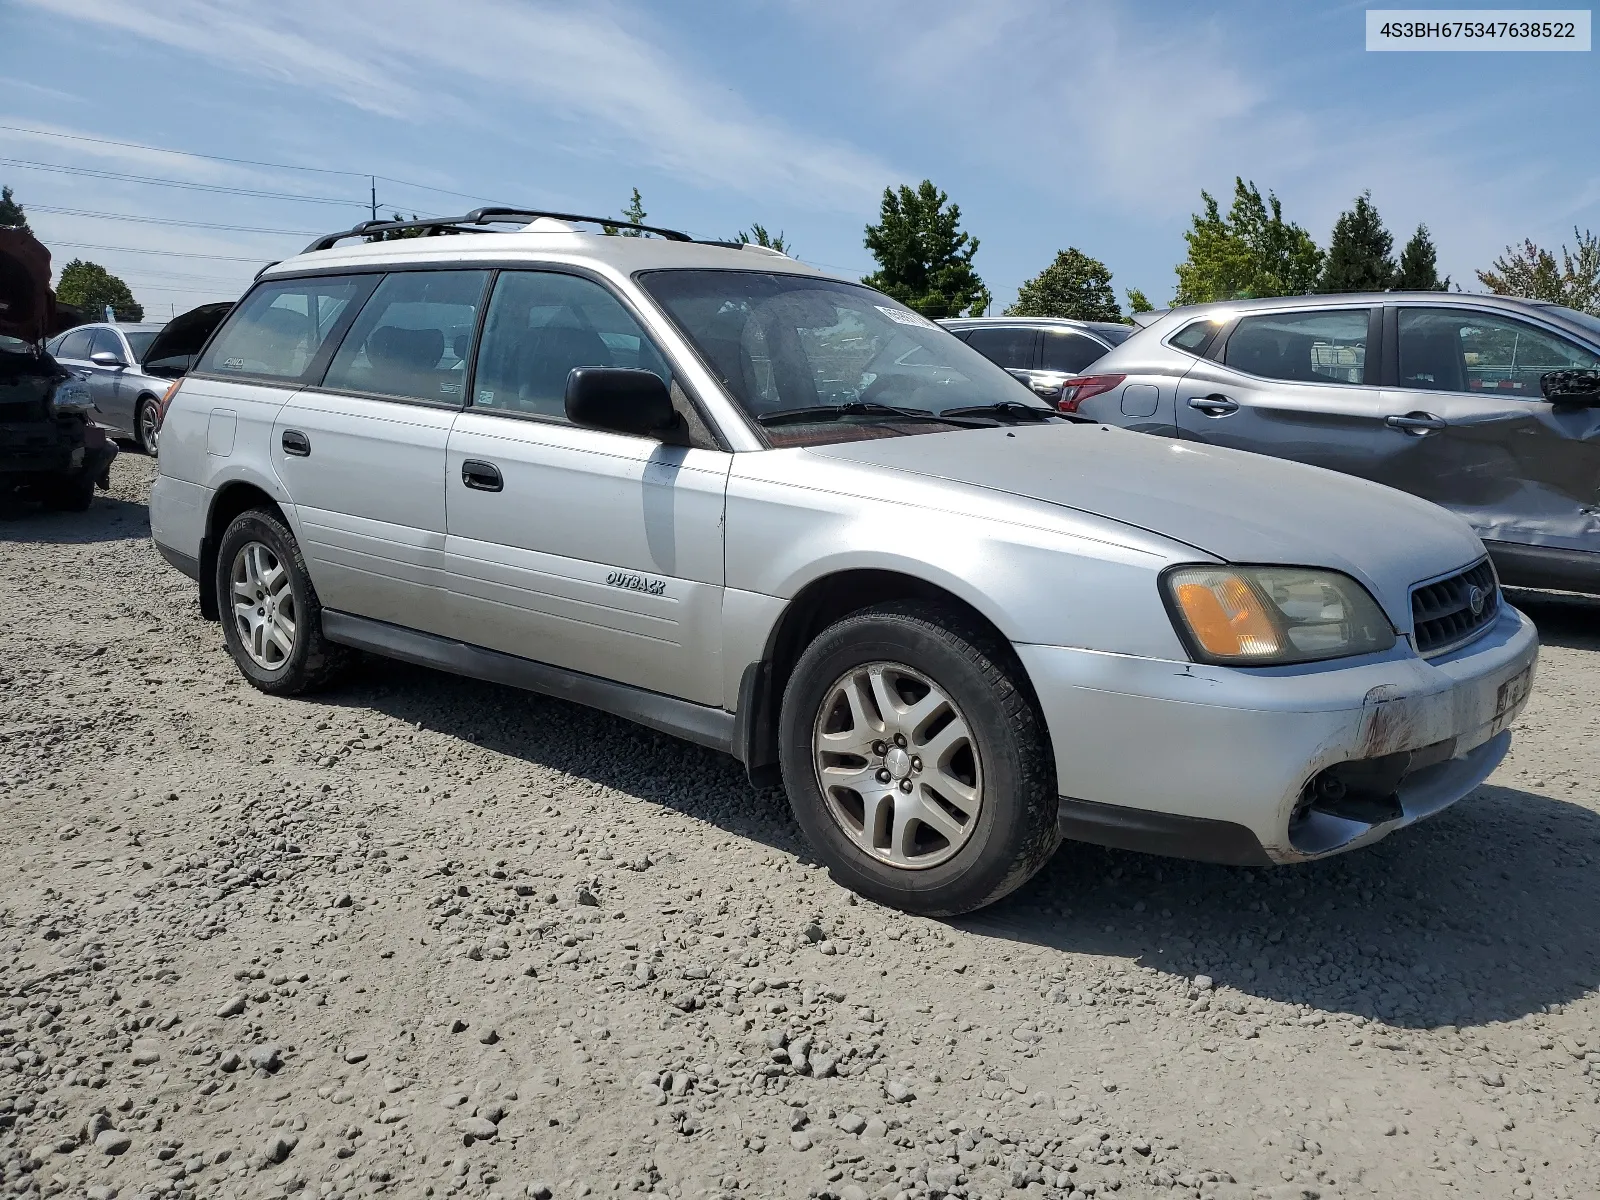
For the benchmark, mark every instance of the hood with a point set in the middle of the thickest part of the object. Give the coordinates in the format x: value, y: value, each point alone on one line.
x: 173, y: 351
x: 1234, y: 506
x: 27, y: 305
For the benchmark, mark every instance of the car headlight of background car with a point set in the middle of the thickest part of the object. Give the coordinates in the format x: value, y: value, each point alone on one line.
x: 1267, y: 616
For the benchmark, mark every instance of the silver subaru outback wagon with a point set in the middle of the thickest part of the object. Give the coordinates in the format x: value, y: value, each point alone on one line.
x: 719, y: 492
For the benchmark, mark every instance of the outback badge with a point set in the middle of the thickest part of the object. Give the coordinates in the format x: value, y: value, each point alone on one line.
x: 636, y: 583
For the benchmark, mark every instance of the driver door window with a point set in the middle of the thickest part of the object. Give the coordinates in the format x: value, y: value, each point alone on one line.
x: 1460, y: 350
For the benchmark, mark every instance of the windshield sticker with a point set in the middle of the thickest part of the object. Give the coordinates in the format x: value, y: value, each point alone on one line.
x: 901, y: 317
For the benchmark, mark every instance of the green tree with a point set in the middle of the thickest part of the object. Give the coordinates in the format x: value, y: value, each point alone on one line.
x: 396, y: 235
x: 90, y: 287
x: 1251, y: 252
x: 757, y: 235
x: 1074, y: 285
x: 924, y: 259
x: 633, y: 212
x: 1138, y: 302
x: 1359, y: 255
x: 11, y: 214
x: 1419, y: 265
x: 1531, y: 272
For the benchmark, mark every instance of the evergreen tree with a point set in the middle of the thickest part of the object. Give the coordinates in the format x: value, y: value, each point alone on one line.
x: 90, y: 287
x: 1251, y: 252
x: 633, y: 212
x: 1138, y: 302
x: 11, y: 214
x: 1359, y: 253
x: 1074, y: 286
x: 1419, y: 265
x: 924, y: 259
x: 757, y: 235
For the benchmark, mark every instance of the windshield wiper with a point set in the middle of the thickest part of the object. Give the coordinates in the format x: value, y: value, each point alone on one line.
x: 1004, y: 409
x: 862, y: 408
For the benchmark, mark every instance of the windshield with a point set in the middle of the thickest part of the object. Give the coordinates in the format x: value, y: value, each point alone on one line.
x: 138, y: 342
x: 1115, y: 334
x: 782, y: 343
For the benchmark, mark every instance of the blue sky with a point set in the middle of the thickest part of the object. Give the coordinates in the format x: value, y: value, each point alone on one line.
x: 1051, y: 122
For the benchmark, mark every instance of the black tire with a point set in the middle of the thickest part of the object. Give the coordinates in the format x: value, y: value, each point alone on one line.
x: 313, y: 662
x: 1016, y: 828
x: 70, y: 495
x: 145, y: 432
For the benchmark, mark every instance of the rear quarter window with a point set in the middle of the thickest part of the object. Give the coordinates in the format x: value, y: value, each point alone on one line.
x: 280, y: 329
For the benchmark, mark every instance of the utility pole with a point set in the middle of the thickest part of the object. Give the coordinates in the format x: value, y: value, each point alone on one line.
x: 373, y: 179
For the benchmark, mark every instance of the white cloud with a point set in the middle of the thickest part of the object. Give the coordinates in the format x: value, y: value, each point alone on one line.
x: 502, y: 63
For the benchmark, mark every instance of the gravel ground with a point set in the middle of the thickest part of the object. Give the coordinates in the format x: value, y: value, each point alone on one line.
x: 422, y: 936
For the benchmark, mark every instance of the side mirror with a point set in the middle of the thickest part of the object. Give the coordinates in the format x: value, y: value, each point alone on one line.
x: 1571, y: 389
x: 105, y: 358
x: 621, y: 400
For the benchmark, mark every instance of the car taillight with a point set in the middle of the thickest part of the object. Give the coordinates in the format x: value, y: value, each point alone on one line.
x: 1075, y: 391
x: 166, y: 402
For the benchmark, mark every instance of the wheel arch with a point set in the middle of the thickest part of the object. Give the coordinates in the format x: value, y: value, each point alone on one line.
x: 819, y: 604
x: 231, y: 499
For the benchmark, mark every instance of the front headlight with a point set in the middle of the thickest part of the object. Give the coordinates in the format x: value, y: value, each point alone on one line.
x: 1266, y: 616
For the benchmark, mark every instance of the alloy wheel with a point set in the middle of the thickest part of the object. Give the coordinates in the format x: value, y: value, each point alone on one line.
x: 897, y: 765
x: 264, y: 609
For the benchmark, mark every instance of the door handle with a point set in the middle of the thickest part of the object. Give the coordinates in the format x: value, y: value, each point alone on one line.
x: 1417, y: 424
x: 296, y: 443
x: 1214, y: 405
x: 481, y: 476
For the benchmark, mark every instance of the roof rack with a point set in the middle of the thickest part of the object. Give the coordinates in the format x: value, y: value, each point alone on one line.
x: 477, y: 219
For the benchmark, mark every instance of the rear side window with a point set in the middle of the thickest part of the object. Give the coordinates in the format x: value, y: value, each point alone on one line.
x: 1005, y: 347
x: 1194, y: 336
x: 1067, y: 351
x: 1304, y: 347
x: 413, y: 338
x: 279, y: 329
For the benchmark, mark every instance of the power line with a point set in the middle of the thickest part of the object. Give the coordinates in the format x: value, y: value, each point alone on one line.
x: 247, y: 162
x: 79, y: 212
x: 162, y: 253
x: 177, y: 183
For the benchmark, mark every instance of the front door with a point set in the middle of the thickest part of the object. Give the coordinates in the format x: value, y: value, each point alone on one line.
x: 1293, y: 384
x: 105, y: 382
x: 1477, y: 433
x: 593, y: 551
x: 363, y: 453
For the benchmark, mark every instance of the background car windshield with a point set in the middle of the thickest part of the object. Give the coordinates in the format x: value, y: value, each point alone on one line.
x: 781, y: 342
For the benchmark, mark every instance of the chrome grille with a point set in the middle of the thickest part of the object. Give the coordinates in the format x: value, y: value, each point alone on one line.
x: 1442, y: 614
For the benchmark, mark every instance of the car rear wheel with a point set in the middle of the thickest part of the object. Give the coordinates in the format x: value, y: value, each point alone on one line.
x: 271, y: 618
x: 916, y: 761
x: 147, y: 426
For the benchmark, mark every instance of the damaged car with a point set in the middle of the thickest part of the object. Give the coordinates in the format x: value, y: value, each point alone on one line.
x: 50, y: 449
x: 1440, y: 395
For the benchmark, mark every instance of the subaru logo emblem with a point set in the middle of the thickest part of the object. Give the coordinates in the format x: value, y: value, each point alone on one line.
x: 1476, y: 599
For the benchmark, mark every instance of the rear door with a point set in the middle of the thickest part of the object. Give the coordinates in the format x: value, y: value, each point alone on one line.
x: 1295, y: 384
x: 363, y: 451
x: 1477, y: 433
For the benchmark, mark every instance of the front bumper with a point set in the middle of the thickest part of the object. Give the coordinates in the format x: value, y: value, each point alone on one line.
x: 1223, y: 764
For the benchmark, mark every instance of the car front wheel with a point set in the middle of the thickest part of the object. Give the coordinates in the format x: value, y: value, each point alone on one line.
x: 271, y: 618
x: 916, y: 761
x: 147, y: 426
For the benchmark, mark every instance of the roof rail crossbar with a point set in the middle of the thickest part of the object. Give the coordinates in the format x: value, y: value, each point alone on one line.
x: 474, y: 221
